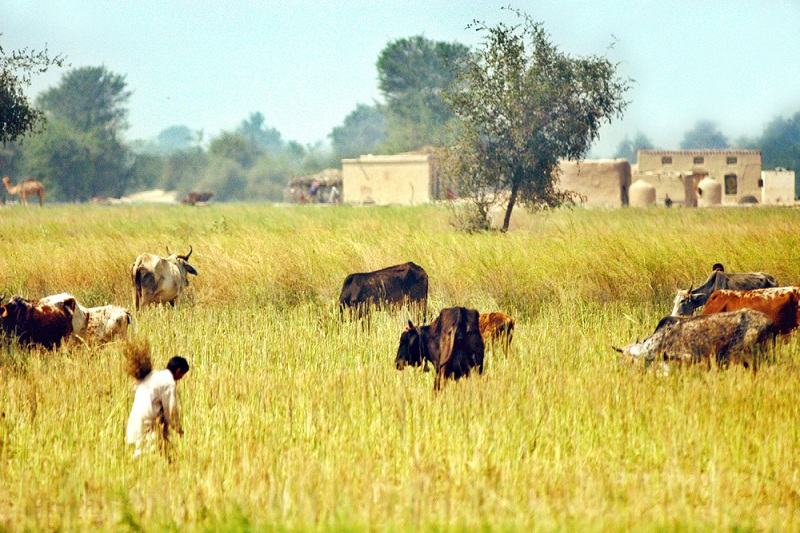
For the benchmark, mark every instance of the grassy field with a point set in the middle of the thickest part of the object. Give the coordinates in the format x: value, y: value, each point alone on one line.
x: 297, y: 421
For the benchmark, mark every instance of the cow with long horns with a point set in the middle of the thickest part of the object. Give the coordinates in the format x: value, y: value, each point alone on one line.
x: 160, y: 279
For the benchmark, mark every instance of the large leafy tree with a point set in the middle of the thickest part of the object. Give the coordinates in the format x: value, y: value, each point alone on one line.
x: 17, y: 115
x: 521, y: 106
x: 259, y: 135
x: 88, y: 105
x: 704, y: 136
x: 413, y: 74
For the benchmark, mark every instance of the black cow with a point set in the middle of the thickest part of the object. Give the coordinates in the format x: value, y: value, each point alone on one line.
x: 452, y: 343
x: 392, y: 286
x: 687, y: 301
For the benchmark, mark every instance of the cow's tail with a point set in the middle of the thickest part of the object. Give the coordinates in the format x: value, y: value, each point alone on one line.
x: 137, y: 286
x: 136, y: 353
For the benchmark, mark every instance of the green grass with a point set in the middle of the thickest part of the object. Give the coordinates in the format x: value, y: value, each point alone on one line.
x: 297, y: 421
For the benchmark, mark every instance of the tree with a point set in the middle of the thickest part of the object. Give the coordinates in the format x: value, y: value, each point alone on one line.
x: 364, y: 129
x: 264, y: 138
x: 87, y: 104
x: 780, y: 143
x: 413, y: 75
x: 91, y: 98
x: 175, y: 138
x: 521, y: 105
x: 236, y: 147
x: 704, y: 136
x: 627, y: 149
x: 17, y: 115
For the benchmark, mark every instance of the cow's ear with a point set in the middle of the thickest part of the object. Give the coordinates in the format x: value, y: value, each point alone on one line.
x: 5, y: 311
x: 70, y: 304
x: 696, y: 297
x: 189, y: 268
x: 410, y: 325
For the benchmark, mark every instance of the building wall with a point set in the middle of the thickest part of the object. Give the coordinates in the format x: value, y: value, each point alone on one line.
x: 387, y: 179
x: 739, y: 171
x: 602, y: 182
x: 779, y: 187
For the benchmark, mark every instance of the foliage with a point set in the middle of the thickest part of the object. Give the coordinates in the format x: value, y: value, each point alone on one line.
x: 258, y: 135
x: 780, y: 143
x: 236, y: 147
x: 298, y: 421
x: 362, y: 132
x: 704, y: 136
x: 521, y: 105
x: 628, y: 149
x: 17, y: 116
x: 175, y: 138
x: 413, y: 74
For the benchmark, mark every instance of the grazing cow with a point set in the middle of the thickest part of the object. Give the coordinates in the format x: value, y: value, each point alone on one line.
x: 392, y: 286
x: 781, y: 304
x: 95, y: 324
x: 194, y: 198
x: 687, y: 301
x: 734, y: 337
x: 36, y: 322
x: 452, y: 343
x: 160, y: 279
x: 496, y: 326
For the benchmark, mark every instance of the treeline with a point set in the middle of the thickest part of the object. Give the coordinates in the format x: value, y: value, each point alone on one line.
x: 82, y: 152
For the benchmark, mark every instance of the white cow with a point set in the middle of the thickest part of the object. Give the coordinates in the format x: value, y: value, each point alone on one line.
x: 95, y: 324
x: 160, y: 279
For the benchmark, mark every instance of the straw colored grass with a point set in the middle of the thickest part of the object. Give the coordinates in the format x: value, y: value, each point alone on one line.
x: 296, y: 420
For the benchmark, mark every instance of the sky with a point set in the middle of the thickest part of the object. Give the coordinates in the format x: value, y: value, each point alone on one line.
x: 305, y: 65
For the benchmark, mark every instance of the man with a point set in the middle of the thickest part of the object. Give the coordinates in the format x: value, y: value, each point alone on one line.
x: 155, y: 407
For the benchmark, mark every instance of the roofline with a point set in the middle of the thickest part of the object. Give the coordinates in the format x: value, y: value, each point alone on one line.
x: 704, y: 152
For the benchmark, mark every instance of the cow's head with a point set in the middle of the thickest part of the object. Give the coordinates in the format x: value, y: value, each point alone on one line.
x: 686, y: 302
x: 182, y: 262
x: 409, y: 352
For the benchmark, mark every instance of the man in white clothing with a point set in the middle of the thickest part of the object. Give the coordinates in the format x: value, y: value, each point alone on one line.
x: 155, y: 407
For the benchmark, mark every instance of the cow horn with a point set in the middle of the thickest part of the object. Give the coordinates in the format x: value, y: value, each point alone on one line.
x: 168, y: 252
x: 3, y: 297
x: 410, y: 325
x: 620, y: 350
x: 186, y: 257
x: 691, y: 286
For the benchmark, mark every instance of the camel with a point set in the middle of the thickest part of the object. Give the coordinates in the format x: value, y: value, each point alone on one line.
x: 25, y: 189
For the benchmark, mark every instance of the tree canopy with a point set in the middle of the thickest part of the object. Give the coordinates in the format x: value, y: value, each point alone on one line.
x: 17, y: 115
x: 521, y: 105
x: 628, y: 148
x: 704, y: 136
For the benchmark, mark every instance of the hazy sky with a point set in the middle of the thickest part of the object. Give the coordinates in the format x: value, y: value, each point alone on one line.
x: 306, y: 64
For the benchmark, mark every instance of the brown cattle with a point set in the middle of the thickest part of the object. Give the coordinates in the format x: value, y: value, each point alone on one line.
x: 686, y: 302
x: 452, y: 343
x: 194, y: 198
x: 405, y: 284
x: 496, y: 326
x: 35, y: 322
x: 781, y: 304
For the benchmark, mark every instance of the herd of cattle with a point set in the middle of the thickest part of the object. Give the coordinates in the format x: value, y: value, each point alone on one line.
x: 741, y: 314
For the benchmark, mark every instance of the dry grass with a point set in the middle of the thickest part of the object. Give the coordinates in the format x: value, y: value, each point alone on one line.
x: 297, y: 421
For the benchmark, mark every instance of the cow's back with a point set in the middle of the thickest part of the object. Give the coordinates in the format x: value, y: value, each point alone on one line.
x: 780, y: 304
x: 745, y: 281
x: 391, y: 286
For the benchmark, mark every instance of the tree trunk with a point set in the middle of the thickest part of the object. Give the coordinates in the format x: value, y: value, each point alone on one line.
x: 511, y: 201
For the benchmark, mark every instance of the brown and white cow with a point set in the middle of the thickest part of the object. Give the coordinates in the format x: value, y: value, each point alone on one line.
x: 452, y: 343
x: 496, y: 326
x: 95, y: 324
x: 160, y: 279
x: 35, y: 322
x: 781, y: 304
x: 731, y: 337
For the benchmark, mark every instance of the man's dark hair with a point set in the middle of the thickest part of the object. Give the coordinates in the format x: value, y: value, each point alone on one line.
x: 178, y: 363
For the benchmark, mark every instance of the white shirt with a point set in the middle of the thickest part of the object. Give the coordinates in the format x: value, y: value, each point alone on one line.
x: 155, y: 397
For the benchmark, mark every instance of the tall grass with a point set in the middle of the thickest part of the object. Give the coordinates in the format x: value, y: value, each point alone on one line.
x: 296, y: 420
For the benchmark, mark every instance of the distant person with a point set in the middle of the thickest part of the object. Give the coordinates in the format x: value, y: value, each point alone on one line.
x: 155, y: 406
x: 718, y: 266
x: 668, y: 201
x: 334, y: 196
x: 313, y: 190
